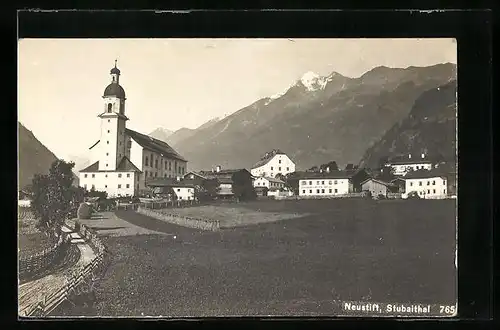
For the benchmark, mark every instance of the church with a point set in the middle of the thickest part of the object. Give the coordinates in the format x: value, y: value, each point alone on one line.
x: 123, y: 160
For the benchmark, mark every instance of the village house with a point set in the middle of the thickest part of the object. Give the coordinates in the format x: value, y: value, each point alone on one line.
x: 269, y: 183
x: 174, y: 188
x: 325, y: 184
x: 123, y: 160
x: 273, y: 163
x: 225, y: 178
x: 401, y: 166
x: 400, y: 183
x: 378, y: 187
x: 426, y: 184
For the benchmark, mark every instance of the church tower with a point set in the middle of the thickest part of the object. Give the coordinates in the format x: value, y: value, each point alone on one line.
x: 113, y: 119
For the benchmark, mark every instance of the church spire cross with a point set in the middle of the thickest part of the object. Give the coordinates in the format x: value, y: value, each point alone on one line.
x: 115, y: 62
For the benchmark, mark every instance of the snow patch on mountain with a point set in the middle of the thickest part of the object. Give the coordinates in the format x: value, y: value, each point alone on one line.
x: 313, y: 82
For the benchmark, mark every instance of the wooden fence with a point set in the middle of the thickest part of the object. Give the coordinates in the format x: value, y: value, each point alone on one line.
x: 177, y: 219
x: 80, y: 277
x: 42, y: 260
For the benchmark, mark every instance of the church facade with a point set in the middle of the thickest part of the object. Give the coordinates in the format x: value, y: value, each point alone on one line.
x: 123, y: 160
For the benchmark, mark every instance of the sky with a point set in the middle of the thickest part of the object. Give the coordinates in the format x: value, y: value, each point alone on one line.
x: 175, y: 83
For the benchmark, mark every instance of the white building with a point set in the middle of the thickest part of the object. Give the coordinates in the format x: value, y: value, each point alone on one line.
x: 180, y: 189
x: 123, y: 159
x: 268, y: 182
x: 403, y: 166
x: 272, y: 163
x: 427, y: 184
x: 325, y: 184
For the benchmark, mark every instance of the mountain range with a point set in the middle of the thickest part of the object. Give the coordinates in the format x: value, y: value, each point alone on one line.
x: 33, y: 157
x: 316, y: 120
x: 430, y: 128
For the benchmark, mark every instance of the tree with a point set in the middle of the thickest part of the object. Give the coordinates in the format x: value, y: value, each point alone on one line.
x: 332, y: 166
x: 313, y: 169
x: 292, y: 181
x: 387, y: 174
x: 242, y: 187
x: 382, y: 161
x: 280, y: 176
x: 96, y: 193
x: 349, y: 167
x: 53, y: 195
x: 208, y: 190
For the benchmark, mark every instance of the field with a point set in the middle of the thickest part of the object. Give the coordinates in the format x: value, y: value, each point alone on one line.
x: 233, y: 215
x: 361, y: 250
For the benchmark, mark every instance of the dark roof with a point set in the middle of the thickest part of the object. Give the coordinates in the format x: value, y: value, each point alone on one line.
x: 172, y: 182
x: 267, y: 157
x: 272, y: 179
x: 115, y: 70
x: 153, y: 144
x: 331, y: 175
x: 125, y: 165
x: 423, y: 174
x: 114, y: 89
x: 228, y: 172
x: 91, y: 168
x: 195, y: 174
x: 387, y: 184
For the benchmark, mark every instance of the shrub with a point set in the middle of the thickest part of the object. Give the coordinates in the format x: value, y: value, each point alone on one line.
x: 84, y: 211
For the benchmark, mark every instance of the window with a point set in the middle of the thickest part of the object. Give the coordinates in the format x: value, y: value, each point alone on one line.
x: 107, y: 142
x: 146, y: 161
x: 411, y: 184
x: 433, y: 182
x: 105, y: 175
x: 444, y: 191
x: 107, y: 154
x: 330, y: 191
x: 419, y: 183
x: 119, y: 175
x: 169, y: 166
x: 428, y: 191
x: 279, y: 168
x: 288, y: 168
x: 165, y: 164
x: 108, y: 130
x: 317, y: 191
x: 180, y: 197
x: 330, y: 182
x: 156, y: 174
x: 322, y: 182
x: 271, y: 168
x: 151, y: 174
x: 156, y: 163
x: 279, y: 161
x: 335, y: 182
x: 85, y: 175
x: 146, y: 174
x: 128, y: 175
x: 93, y: 175
x: 433, y: 191
x: 336, y: 190
x: 317, y: 182
x: 119, y: 186
x: 310, y: 182
x: 310, y: 191
x: 303, y: 191
x: 93, y: 187
x: 165, y: 175
x: 128, y: 186
x: 428, y: 182
x: 178, y: 190
x: 444, y: 182
x: 109, y: 121
x: 322, y: 191
x: 106, y: 165
x: 105, y: 186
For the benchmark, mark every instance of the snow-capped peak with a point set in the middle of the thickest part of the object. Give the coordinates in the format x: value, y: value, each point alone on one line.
x: 312, y: 81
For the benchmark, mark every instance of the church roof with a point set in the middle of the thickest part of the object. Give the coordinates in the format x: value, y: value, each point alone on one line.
x: 115, y: 70
x: 125, y: 165
x: 153, y: 144
x: 114, y: 89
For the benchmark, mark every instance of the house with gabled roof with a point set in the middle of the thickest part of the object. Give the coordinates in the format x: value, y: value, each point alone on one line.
x: 123, y: 160
x: 427, y: 184
x: 273, y: 163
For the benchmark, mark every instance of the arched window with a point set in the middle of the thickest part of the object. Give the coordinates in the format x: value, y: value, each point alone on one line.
x: 110, y: 106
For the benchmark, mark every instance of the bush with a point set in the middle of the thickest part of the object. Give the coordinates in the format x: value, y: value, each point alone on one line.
x: 77, y: 226
x: 84, y: 211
